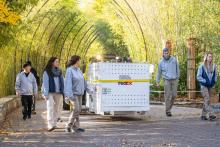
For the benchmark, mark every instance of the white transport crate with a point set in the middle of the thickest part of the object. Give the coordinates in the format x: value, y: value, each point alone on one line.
x: 119, y: 87
x: 117, y: 71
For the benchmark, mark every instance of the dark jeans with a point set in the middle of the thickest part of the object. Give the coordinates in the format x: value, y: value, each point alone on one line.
x: 27, y: 102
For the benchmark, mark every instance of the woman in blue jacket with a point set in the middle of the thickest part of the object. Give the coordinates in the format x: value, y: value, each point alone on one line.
x: 74, y: 88
x: 207, y: 77
x: 52, y: 91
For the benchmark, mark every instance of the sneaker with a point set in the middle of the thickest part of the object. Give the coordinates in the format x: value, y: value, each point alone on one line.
x: 51, y: 129
x: 59, y: 120
x: 204, y: 118
x: 67, y: 130
x: 79, y: 130
x: 168, y: 114
x: 73, y: 130
x: 212, y: 117
x: 24, y: 117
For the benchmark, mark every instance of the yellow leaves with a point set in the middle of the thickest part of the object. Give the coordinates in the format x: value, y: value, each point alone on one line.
x: 8, y: 16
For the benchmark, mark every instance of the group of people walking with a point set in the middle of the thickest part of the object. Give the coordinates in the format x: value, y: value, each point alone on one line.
x: 55, y: 88
x: 168, y: 68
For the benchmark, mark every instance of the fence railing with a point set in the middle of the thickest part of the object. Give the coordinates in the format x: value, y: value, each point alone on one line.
x: 160, y: 93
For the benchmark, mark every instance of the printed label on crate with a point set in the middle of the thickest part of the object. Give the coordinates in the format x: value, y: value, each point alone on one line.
x: 124, y: 83
x: 124, y: 77
x: 106, y: 90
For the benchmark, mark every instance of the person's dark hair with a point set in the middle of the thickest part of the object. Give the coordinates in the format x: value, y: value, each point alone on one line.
x: 26, y: 65
x: 49, y: 65
x: 73, y: 60
x: 29, y: 62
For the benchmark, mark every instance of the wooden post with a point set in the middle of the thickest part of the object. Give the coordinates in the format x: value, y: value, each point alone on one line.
x: 191, y: 68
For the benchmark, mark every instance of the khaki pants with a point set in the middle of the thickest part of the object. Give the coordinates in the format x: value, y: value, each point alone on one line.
x: 206, y: 93
x: 74, y: 116
x: 170, y: 88
x: 53, y: 108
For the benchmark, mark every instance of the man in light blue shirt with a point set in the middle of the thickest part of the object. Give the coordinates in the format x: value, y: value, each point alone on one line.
x: 168, y: 68
x: 26, y: 87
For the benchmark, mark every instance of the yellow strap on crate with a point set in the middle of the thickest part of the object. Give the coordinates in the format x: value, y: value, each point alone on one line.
x: 116, y: 81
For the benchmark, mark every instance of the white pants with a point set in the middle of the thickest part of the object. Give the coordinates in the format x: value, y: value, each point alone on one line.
x: 54, y: 105
x: 60, y: 109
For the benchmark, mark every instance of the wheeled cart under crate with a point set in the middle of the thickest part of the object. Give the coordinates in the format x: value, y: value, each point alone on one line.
x: 118, y: 87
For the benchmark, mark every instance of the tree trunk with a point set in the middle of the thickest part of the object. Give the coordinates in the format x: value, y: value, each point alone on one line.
x: 191, y: 68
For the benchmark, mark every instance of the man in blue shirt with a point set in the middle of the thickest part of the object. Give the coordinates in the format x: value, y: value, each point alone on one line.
x: 26, y: 87
x: 168, y: 68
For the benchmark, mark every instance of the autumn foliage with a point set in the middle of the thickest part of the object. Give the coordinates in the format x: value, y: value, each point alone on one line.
x: 7, y: 16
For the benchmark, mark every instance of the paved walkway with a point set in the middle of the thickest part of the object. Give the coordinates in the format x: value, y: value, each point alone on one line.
x: 152, y: 130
